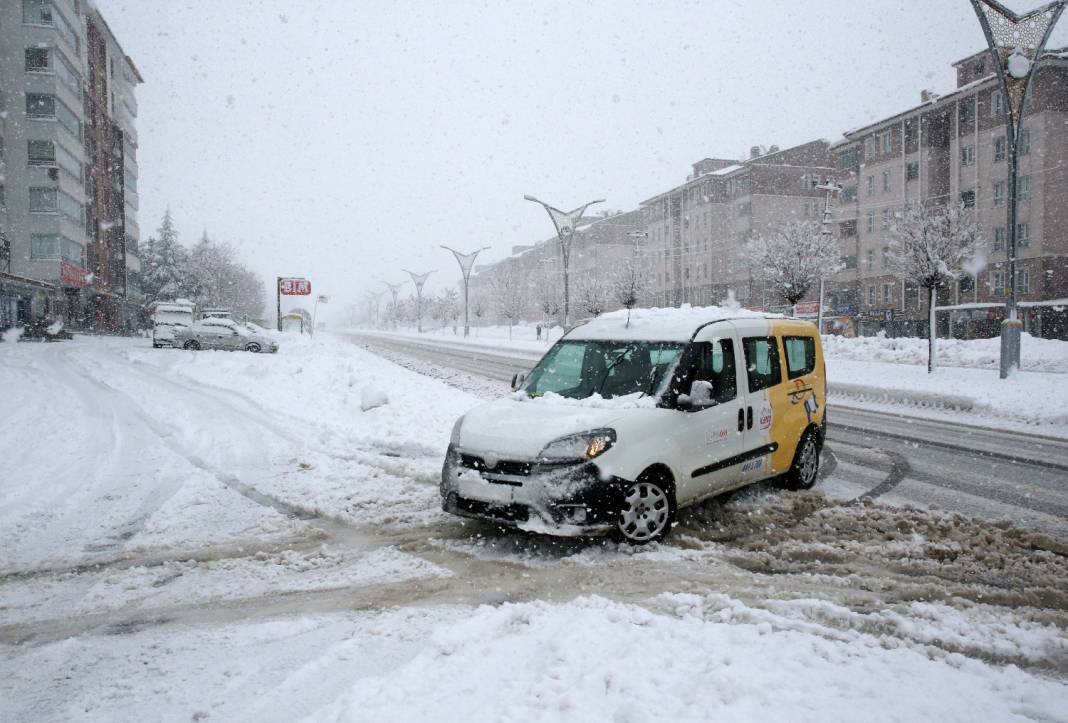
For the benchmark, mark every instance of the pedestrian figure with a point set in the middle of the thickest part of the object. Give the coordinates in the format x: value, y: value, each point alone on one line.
x: 539, y: 332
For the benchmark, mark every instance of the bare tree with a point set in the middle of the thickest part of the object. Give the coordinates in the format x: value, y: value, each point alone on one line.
x: 450, y: 304
x: 594, y: 292
x: 793, y: 257
x: 478, y: 308
x: 547, y: 294
x: 628, y: 283
x: 509, y: 294
x: 932, y: 245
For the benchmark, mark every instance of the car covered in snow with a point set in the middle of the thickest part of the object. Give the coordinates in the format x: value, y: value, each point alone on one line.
x: 167, y: 318
x: 218, y: 333
x: 624, y: 421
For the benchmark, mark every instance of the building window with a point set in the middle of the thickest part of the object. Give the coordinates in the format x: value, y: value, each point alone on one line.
x: 3, y: 197
x: 1023, y: 282
x: 1023, y: 188
x: 967, y: 155
x: 886, y: 181
x: 965, y: 284
x: 871, y: 259
x: 37, y: 12
x: 871, y: 147
x: 966, y: 111
x: 999, y: 193
x: 1024, y: 146
x: 1023, y: 234
x: 849, y: 193
x: 44, y: 246
x: 912, y: 170
x: 999, y: 149
x: 886, y: 218
x: 888, y: 294
x: 871, y: 296
x: 44, y: 200
x: 997, y: 284
x: 40, y: 106
x: 871, y: 221
x: 885, y: 142
x: 871, y: 185
x: 967, y: 199
x: 997, y: 103
x: 910, y: 130
x: 999, y: 238
x: 847, y: 229
x: 38, y: 60
x: 886, y: 256
x: 41, y: 153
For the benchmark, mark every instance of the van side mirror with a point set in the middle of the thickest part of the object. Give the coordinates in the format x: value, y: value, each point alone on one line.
x: 700, y: 396
x: 517, y: 380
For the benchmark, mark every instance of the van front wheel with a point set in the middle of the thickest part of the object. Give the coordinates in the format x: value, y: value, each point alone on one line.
x: 647, y: 510
x: 806, y: 466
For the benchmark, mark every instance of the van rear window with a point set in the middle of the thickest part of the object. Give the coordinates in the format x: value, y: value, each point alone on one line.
x: 800, y: 355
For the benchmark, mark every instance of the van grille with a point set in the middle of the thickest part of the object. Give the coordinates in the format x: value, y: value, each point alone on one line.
x: 504, y: 467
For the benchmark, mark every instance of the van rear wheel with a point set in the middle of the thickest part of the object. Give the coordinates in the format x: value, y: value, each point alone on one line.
x: 805, y: 469
x: 648, y: 508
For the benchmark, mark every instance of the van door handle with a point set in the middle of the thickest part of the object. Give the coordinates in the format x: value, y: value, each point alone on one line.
x: 749, y: 418
x: 741, y: 419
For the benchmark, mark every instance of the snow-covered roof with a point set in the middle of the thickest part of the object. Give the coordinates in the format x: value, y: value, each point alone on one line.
x: 724, y: 171
x: 657, y: 324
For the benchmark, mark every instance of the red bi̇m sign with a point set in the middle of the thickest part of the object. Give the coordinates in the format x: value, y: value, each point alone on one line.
x: 294, y: 287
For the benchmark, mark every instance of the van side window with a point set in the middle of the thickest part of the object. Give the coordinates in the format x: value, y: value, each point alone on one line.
x: 714, y: 363
x: 762, y: 362
x: 800, y: 355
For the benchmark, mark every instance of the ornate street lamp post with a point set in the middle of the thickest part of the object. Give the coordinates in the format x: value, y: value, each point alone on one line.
x: 394, y: 289
x: 832, y: 189
x: 467, y: 262
x: 1004, y: 29
x: 418, y: 280
x: 565, y: 222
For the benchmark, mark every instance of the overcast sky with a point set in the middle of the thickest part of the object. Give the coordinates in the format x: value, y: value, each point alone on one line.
x: 344, y: 140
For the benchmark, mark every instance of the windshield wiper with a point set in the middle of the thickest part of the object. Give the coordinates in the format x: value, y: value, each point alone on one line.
x: 610, y: 367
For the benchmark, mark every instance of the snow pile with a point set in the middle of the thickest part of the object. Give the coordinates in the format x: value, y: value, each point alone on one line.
x: 1037, y: 354
x: 372, y: 397
x: 597, y: 660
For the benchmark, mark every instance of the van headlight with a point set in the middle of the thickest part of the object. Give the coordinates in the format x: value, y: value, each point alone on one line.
x: 454, y: 438
x: 579, y: 447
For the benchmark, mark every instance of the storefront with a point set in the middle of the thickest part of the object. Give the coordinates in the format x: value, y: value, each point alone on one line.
x: 24, y: 300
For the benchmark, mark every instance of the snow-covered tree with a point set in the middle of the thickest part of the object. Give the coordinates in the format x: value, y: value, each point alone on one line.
x: 219, y: 280
x: 450, y: 305
x: 547, y: 294
x: 594, y: 291
x: 933, y: 245
x: 164, y: 264
x: 478, y: 308
x: 628, y: 284
x: 793, y: 257
x: 509, y: 294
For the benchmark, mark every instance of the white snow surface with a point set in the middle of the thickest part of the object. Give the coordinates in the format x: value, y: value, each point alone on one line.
x: 668, y: 324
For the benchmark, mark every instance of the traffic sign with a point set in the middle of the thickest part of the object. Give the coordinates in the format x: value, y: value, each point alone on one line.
x: 294, y: 287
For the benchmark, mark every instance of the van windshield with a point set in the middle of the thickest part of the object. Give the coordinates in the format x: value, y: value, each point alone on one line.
x: 580, y: 369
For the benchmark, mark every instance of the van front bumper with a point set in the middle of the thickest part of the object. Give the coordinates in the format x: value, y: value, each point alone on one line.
x: 562, y: 499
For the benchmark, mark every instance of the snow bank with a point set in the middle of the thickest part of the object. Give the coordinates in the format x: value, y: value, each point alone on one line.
x: 1046, y: 355
x: 596, y: 660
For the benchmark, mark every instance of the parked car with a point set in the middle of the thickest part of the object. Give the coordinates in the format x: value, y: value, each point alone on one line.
x: 167, y: 317
x: 216, y: 333
x: 621, y: 425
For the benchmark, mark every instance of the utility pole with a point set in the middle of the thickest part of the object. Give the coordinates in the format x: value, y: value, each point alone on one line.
x: 278, y: 300
x: 1005, y: 29
x: 467, y: 262
x: 565, y: 222
x: 831, y: 188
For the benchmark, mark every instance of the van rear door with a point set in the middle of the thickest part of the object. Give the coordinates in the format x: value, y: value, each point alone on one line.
x: 763, y: 382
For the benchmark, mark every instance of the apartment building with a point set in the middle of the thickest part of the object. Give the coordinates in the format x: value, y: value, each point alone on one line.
x: 698, y: 232
x: 952, y: 149
x: 68, y: 173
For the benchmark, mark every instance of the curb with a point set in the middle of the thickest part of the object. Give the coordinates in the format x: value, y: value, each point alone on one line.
x: 929, y: 400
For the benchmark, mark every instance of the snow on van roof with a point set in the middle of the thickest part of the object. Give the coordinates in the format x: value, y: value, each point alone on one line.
x: 658, y: 324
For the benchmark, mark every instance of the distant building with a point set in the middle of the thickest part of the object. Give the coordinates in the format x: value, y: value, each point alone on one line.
x: 68, y: 172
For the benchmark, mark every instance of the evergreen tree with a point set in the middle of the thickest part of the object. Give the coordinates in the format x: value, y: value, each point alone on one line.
x: 164, y: 263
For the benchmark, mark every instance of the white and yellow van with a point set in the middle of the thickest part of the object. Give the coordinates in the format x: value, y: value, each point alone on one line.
x: 623, y: 422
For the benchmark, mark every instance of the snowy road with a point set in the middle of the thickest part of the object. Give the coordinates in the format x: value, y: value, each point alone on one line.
x: 189, y: 535
x: 899, y: 458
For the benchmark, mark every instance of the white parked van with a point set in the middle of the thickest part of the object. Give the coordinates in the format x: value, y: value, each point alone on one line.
x: 169, y: 317
x: 621, y: 424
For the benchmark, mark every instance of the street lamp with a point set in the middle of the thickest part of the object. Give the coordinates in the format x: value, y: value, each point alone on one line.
x: 467, y: 262
x: 565, y: 222
x: 1005, y: 29
x: 393, y: 289
x: 831, y: 188
x: 418, y: 280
